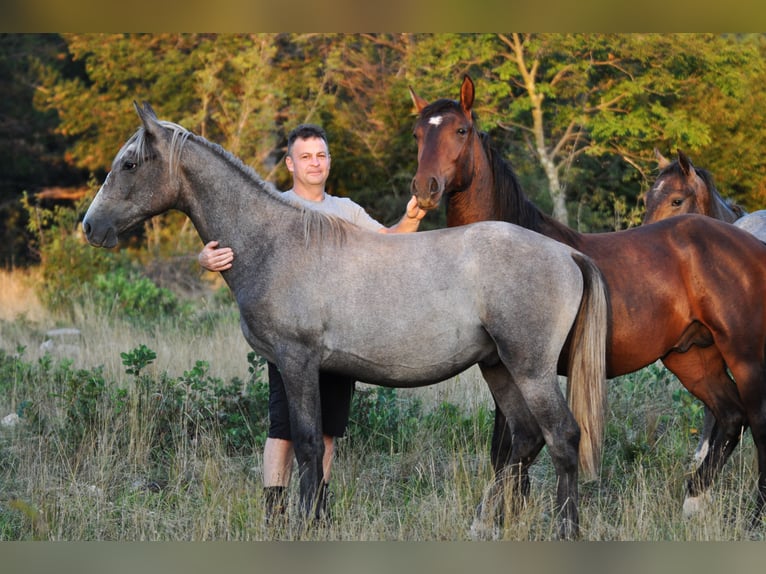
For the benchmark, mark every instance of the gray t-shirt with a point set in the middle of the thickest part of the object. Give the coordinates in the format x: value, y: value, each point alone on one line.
x: 342, y: 207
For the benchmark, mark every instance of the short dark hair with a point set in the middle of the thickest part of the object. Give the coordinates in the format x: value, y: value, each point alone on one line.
x: 304, y: 132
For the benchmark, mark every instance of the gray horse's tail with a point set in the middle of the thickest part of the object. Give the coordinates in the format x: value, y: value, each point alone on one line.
x: 586, y: 388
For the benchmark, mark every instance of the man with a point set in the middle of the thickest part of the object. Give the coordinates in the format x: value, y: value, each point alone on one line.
x: 308, y: 161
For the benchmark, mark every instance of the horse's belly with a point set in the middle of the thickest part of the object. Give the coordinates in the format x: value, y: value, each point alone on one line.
x: 398, y: 362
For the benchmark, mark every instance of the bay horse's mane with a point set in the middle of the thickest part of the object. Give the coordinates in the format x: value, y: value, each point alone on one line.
x: 674, y: 168
x: 318, y: 226
x: 511, y: 203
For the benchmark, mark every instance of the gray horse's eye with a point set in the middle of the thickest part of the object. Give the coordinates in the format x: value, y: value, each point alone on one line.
x: 129, y: 165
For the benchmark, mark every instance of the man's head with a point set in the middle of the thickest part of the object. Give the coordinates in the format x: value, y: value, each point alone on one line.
x: 305, y: 132
x: 308, y: 156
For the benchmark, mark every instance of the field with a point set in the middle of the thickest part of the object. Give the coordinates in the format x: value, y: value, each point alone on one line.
x: 114, y: 444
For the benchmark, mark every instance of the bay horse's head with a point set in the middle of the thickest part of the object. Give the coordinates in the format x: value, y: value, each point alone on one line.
x: 681, y: 188
x: 141, y: 182
x: 446, y: 134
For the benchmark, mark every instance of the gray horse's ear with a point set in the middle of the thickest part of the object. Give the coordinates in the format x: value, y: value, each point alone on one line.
x: 148, y: 117
x: 419, y: 102
x: 466, y: 95
x: 662, y: 161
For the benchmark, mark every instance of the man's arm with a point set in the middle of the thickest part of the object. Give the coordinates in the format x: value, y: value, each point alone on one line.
x: 410, y: 221
x: 214, y: 258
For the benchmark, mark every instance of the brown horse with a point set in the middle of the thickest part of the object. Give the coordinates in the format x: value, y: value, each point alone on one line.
x: 681, y: 188
x: 666, y: 300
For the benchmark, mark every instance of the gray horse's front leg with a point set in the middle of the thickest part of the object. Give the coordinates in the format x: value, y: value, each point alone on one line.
x: 302, y: 387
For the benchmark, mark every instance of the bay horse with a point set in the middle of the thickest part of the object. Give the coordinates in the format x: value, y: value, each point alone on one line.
x: 316, y: 292
x: 681, y: 187
x: 666, y: 300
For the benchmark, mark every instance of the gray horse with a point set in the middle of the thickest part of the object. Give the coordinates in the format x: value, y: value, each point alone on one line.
x: 316, y: 292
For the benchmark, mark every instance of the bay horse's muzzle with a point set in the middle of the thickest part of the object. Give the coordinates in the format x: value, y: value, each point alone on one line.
x: 428, y: 193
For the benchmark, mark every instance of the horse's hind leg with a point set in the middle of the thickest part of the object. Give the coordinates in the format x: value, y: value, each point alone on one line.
x: 515, y: 445
x: 703, y: 372
x: 516, y: 442
x: 751, y: 382
x: 548, y: 413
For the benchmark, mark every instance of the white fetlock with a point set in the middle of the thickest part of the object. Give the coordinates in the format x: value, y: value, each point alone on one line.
x: 694, y: 505
x: 484, y: 526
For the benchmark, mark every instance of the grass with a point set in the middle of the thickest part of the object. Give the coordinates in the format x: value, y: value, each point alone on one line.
x: 110, y: 484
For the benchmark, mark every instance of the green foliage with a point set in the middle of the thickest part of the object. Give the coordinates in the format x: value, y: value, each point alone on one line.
x: 657, y: 404
x: 130, y: 295
x: 75, y: 273
x: 84, y: 397
x: 451, y: 425
x: 137, y: 360
x: 561, y: 98
x: 67, y: 267
x: 183, y: 408
x: 172, y: 413
x: 381, y: 421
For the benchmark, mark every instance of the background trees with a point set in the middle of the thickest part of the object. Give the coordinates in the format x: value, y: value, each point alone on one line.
x: 577, y: 114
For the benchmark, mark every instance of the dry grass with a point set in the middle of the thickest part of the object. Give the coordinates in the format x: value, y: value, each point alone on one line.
x: 17, y: 296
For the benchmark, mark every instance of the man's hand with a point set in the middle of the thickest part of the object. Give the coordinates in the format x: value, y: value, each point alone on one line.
x: 214, y: 258
x: 414, y: 211
x: 410, y: 220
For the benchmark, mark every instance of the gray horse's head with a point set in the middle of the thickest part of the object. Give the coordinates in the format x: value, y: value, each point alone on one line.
x: 141, y: 183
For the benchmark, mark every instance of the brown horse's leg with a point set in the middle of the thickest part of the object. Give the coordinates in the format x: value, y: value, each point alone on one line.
x: 703, y: 372
x: 751, y: 382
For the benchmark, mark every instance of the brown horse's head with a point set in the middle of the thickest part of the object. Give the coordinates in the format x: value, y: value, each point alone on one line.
x: 682, y: 188
x: 445, y: 134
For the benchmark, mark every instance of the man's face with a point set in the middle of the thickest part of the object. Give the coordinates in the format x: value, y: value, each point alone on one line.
x: 309, y: 161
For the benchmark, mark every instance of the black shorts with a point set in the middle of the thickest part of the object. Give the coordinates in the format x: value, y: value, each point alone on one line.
x: 335, y: 392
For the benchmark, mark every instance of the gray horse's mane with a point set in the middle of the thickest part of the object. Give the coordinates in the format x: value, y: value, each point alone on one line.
x: 318, y: 226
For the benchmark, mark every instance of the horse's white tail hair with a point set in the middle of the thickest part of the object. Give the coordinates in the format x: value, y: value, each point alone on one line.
x: 586, y: 388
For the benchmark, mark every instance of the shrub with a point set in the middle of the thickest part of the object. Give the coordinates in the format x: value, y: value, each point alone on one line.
x: 129, y: 295
x: 382, y: 421
x: 196, y: 403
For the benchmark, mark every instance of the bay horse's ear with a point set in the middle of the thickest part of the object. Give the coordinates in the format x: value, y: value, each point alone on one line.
x: 685, y: 163
x: 419, y: 102
x: 466, y: 95
x: 662, y: 161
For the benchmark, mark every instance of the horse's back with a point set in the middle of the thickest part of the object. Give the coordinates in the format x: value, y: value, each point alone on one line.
x: 754, y: 223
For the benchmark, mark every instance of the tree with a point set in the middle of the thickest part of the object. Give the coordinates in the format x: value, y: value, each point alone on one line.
x: 580, y: 100
x: 578, y: 114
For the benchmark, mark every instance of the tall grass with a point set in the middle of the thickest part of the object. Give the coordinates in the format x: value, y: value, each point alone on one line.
x: 404, y: 479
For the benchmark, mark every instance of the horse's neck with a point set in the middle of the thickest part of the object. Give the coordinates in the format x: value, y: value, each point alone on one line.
x: 721, y: 209
x: 229, y: 205
x: 496, y: 194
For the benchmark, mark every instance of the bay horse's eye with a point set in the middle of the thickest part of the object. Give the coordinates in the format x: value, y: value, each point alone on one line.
x: 676, y: 202
x: 129, y: 165
x: 462, y: 131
